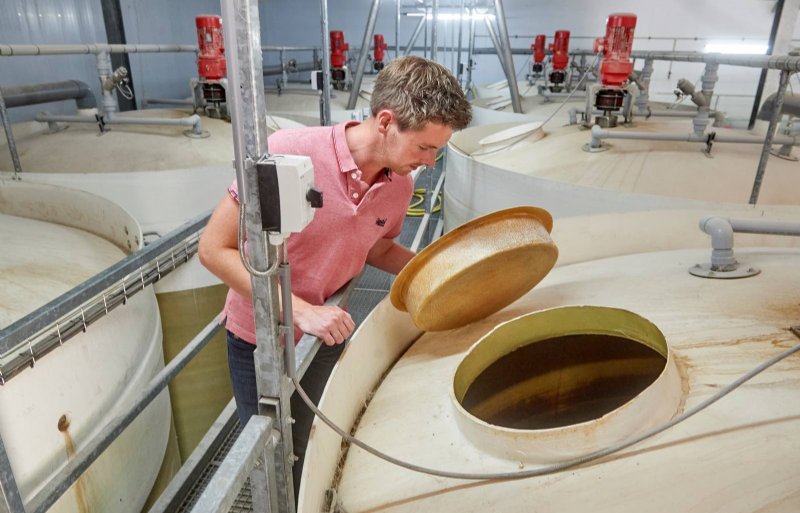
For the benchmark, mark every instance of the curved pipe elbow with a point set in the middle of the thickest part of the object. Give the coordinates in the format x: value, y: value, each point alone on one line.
x: 720, y: 230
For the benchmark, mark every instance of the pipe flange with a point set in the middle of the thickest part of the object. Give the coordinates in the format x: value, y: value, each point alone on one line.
x: 202, y: 135
x: 705, y: 271
x: 789, y: 157
x: 604, y: 146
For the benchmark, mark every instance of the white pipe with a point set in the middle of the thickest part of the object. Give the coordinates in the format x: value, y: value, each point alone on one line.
x: 12, y: 50
x: 722, y: 258
x: 765, y: 226
x: 114, y: 119
x: 721, y: 230
x: 781, y: 62
x: 598, y: 134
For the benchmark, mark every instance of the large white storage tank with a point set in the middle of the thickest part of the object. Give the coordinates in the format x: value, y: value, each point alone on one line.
x: 163, y: 178
x: 496, y: 166
x: 622, y: 274
x: 54, y: 238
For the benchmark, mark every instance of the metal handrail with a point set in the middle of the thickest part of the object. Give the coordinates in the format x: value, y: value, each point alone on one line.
x: 92, y: 298
x: 61, y: 482
x: 254, y: 449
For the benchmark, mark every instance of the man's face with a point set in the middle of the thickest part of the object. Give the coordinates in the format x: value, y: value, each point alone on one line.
x: 407, y: 150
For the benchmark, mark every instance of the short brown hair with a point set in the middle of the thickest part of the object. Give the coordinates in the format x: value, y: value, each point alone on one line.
x: 418, y: 91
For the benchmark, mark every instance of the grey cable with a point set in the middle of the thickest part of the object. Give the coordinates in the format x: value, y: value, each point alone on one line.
x: 272, y: 269
x: 522, y: 137
x: 548, y: 469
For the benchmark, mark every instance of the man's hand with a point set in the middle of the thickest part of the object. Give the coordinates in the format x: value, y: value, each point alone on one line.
x: 330, y: 323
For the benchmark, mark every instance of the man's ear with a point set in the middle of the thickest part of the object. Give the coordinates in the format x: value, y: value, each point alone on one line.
x: 384, y: 119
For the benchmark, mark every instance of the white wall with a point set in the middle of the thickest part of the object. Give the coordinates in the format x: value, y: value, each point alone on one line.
x: 297, y: 22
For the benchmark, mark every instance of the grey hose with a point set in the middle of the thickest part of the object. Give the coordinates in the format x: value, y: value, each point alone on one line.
x: 548, y: 469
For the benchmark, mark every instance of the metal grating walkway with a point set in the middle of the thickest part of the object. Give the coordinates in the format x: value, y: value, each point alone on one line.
x: 372, y: 287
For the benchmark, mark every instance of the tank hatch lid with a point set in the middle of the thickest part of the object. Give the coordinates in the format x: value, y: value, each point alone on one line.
x: 476, y: 269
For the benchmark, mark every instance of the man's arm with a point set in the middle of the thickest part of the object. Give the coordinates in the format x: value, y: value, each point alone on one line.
x: 219, y: 253
x: 389, y: 256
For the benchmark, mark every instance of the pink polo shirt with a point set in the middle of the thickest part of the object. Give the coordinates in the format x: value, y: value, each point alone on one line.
x: 333, y: 248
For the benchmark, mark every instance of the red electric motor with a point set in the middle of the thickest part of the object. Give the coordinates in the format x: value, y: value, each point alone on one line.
x: 211, y: 59
x: 338, y: 48
x: 538, y: 52
x: 615, y: 68
x: 616, y: 47
x: 560, y: 59
x: 560, y: 49
x: 380, y: 47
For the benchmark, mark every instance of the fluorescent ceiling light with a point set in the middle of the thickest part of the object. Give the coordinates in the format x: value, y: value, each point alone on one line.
x: 736, y: 48
x: 452, y: 16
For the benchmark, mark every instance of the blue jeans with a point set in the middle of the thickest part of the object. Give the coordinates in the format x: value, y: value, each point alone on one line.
x: 243, y: 379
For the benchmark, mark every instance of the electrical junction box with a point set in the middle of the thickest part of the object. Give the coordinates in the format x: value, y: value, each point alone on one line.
x: 287, y: 194
x: 316, y: 80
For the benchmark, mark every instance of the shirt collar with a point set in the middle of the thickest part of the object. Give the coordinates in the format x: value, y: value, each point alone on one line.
x: 343, y: 155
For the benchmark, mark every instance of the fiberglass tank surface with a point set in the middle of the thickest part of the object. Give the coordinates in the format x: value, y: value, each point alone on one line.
x: 53, y: 409
x: 164, y: 179
x: 548, y: 169
x: 302, y: 104
x: 737, y: 455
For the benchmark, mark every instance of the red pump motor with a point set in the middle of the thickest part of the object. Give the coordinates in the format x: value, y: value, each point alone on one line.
x: 616, y: 67
x: 616, y: 47
x: 338, y: 59
x: 380, y: 48
x: 211, y: 60
x: 211, y: 66
x: 560, y: 59
x: 538, y: 53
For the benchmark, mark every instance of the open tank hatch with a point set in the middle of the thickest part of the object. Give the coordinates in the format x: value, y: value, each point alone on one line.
x: 561, y: 381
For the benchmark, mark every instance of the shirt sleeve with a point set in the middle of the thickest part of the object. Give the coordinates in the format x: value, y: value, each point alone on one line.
x: 233, y: 190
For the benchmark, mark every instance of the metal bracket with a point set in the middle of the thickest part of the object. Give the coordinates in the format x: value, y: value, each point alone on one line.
x: 709, y: 143
x: 101, y: 123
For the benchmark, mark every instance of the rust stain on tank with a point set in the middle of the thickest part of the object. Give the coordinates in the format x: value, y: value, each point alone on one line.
x: 684, y: 366
x: 80, y: 484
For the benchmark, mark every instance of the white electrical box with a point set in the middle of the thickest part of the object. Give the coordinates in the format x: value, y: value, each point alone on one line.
x: 287, y: 193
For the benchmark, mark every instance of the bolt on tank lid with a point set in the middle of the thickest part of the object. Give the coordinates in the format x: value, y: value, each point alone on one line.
x: 476, y: 269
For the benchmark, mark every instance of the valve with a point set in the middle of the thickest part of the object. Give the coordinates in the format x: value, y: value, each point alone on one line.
x: 380, y: 47
x: 118, y: 78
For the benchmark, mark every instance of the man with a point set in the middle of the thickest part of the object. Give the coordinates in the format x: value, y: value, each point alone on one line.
x: 363, y: 171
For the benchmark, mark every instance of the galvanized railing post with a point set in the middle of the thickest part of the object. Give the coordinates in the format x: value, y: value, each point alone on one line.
x: 773, y: 125
x: 369, y: 30
x: 248, y: 119
x: 10, y: 498
x: 325, y: 98
x: 12, y: 145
